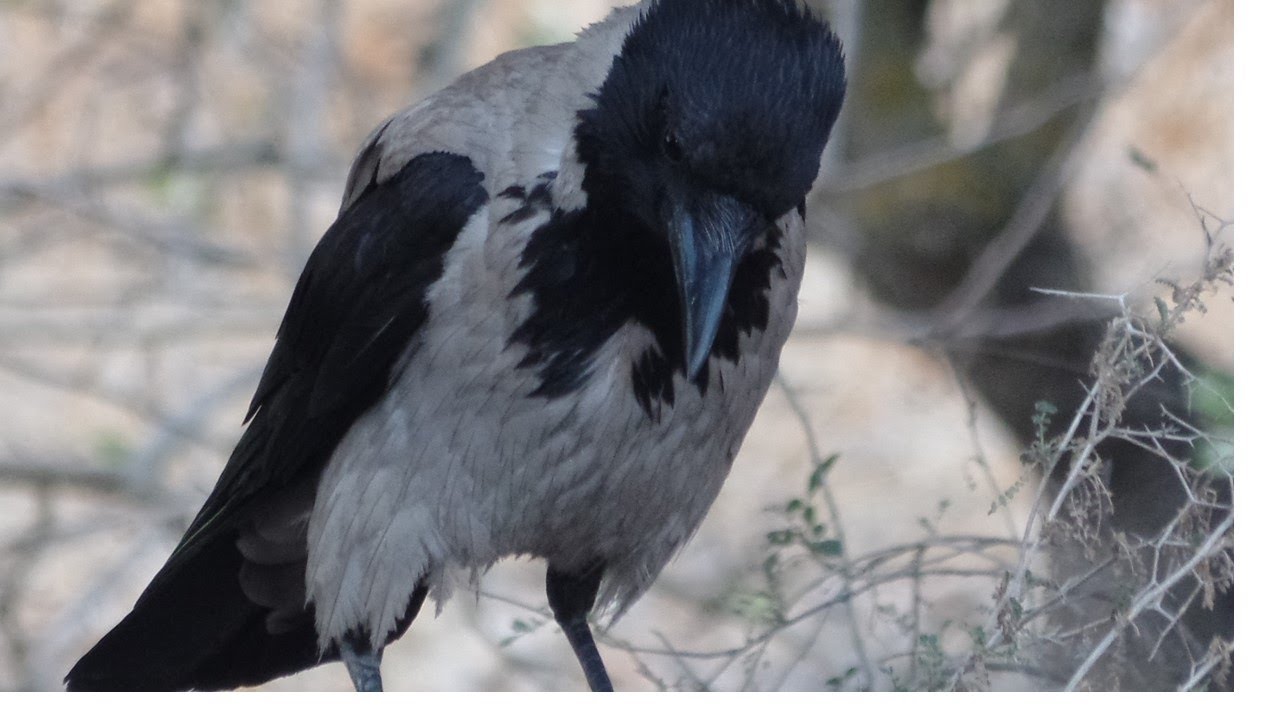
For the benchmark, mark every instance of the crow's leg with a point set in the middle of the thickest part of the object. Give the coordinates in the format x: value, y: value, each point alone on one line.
x: 572, y: 595
x: 364, y: 664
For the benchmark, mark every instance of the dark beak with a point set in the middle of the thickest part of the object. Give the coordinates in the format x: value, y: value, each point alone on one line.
x: 709, y: 235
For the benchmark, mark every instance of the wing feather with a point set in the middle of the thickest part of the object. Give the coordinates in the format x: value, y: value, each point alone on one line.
x: 360, y: 300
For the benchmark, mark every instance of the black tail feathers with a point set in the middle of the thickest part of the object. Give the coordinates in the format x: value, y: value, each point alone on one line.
x: 195, y: 629
x: 204, y: 624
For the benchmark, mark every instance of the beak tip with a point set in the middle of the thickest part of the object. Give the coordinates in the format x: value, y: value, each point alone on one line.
x: 699, y: 339
x: 707, y: 243
x: 695, y: 359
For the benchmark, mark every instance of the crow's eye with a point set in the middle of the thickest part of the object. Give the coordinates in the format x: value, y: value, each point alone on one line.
x: 671, y: 147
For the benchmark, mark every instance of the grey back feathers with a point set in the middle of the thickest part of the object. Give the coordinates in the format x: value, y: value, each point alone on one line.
x: 546, y: 315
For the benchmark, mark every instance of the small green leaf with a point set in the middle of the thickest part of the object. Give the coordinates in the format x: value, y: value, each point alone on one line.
x: 1142, y: 160
x: 839, y: 681
x: 780, y: 537
x: 755, y: 606
x: 1016, y: 607
x: 979, y: 636
x: 1163, y: 309
x: 828, y: 548
x: 519, y: 629
x: 819, y: 475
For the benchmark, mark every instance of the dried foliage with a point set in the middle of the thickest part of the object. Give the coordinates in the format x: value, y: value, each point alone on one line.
x: 1075, y: 603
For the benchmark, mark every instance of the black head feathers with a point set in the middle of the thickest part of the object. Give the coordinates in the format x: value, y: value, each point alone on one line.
x: 741, y: 95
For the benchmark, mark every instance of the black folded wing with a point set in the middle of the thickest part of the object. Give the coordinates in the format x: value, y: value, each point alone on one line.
x: 358, y: 305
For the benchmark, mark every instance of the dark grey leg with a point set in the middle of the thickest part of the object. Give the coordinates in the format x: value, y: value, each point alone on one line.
x: 363, y: 664
x: 572, y: 595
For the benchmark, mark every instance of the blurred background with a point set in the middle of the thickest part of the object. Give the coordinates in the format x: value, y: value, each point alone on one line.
x: 949, y: 487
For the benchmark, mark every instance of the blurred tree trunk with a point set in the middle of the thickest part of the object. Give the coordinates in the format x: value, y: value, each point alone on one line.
x: 926, y: 235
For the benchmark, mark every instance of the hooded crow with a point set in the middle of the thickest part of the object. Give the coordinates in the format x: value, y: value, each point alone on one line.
x: 548, y: 310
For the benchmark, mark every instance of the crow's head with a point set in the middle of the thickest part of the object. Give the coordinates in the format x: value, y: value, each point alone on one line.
x: 708, y: 127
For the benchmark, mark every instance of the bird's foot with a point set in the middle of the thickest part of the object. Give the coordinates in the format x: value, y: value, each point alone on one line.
x: 579, y: 635
x: 572, y: 596
x: 364, y: 666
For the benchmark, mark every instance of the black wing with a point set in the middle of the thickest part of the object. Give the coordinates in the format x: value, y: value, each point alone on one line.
x: 360, y: 299
x: 357, y: 306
